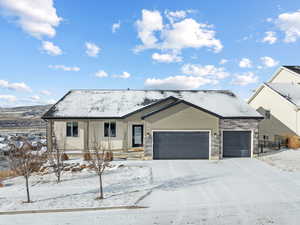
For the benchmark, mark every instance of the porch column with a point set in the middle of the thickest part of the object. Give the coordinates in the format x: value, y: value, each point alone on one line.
x: 86, y: 135
x: 49, y: 132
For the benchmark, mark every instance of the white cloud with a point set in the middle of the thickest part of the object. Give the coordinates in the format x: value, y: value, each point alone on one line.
x: 37, y: 18
x: 207, y: 70
x: 178, y: 82
x: 115, y: 27
x: 8, y: 98
x: 151, y: 21
x: 188, y: 33
x: 64, y: 68
x: 35, y: 97
x: 184, y: 33
x: 46, y: 92
x: 270, y: 37
x: 176, y: 15
x: 166, y: 58
x: 124, y: 75
x: 223, y: 61
x: 245, y: 79
x: 51, y: 49
x: 92, y: 49
x: 245, y: 63
x: 268, y: 61
x: 15, y: 86
x: 289, y: 23
x: 101, y: 74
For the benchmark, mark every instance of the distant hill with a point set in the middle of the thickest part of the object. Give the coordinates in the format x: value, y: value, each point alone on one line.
x: 23, y: 119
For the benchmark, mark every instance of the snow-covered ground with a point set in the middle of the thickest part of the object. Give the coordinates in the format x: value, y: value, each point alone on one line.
x: 230, y: 191
x: 123, y: 186
x: 287, y: 160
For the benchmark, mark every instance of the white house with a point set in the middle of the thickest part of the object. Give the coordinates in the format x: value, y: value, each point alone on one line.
x: 279, y: 101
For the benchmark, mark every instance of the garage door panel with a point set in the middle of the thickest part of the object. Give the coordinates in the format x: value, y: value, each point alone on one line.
x: 236, y: 143
x: 180, y: 145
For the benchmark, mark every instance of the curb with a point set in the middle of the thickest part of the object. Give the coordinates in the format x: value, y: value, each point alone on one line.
x: 69, y: 210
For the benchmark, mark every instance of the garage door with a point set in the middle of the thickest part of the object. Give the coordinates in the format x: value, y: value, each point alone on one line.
x: 236, y: 143
x: 180, y: 145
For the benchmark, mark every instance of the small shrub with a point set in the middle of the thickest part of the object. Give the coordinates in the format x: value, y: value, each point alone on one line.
x: 87, y: 156
x: 64, y: 157
x: 108, y: 156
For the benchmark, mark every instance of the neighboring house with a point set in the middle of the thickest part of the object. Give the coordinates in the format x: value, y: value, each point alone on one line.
x: 279, y: 101
x: 163, y: 124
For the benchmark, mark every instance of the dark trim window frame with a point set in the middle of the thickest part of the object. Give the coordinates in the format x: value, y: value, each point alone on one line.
x: 267, y: 114
x: 72, y: 129
x: 140, y: 129
x: 110, y: 129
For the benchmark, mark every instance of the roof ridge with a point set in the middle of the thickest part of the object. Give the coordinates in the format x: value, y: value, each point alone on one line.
x: 175, y: 90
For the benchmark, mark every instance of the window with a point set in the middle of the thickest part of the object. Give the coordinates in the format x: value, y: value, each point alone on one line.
x: 267, y: 114
x: 72, y: 129
x: 110, y: 129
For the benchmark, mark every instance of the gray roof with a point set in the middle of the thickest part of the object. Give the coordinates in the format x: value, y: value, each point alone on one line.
x: 290, y: 91
x: 120, y: 103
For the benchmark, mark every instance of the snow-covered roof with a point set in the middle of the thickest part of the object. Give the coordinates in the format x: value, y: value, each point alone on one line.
x: 119, y: 103
x: 290, y: 91
x: 295, y: 69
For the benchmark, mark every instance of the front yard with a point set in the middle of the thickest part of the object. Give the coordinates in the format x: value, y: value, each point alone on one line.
x: 246, y: 191
x: 286, y: 160
x: 123, y: 184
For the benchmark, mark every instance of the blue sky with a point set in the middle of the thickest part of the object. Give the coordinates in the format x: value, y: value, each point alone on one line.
x: 49, y: 47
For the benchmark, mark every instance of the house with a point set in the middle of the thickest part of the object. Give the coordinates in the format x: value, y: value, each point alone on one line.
x: 163, y: 124
x: 279, y: 101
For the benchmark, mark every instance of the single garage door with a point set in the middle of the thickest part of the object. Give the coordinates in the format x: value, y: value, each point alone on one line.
x: 236, y: 143
x: 180, y: 145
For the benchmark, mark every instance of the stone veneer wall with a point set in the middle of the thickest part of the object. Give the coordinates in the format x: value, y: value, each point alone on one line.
x: 148, y: 152
x: 240, y: 124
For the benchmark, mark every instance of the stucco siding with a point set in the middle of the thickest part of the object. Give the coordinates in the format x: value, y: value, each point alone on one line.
x: 183, y: 117
x: 96, y: 134
x: 68, y: 143
x: 281, y: 110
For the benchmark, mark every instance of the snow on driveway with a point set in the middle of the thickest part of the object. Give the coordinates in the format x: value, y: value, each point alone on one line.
x: 230, y: 191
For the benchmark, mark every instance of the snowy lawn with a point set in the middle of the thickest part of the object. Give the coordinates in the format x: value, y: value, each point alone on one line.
x: 123, y: 185
x: 226, y: 192
x: 287, y: 160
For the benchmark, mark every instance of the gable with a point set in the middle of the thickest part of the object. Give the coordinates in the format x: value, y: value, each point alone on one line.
x: 285, y: 75
x: 183, y: 116
x: 268, y: 98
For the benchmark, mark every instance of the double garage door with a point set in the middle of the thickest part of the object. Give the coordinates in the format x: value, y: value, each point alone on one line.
x: 196, y: 144
x: 181, y: 145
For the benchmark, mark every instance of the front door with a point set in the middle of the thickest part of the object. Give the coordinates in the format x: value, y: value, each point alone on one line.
x: 137, y: 135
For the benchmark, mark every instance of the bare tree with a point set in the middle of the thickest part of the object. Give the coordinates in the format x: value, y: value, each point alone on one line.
x: 56, y: 159
x: 24, y: 159
x: 99, y: 159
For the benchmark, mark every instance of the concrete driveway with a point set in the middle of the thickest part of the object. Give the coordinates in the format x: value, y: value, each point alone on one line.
x: 230, y: 191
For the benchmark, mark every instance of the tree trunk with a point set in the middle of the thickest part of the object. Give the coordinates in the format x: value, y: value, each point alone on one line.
x: 101, y: 188
x: 58, y: 165
x: 27, y: 189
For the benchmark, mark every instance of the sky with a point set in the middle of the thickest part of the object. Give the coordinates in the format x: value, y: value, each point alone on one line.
x: 50, y: 47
